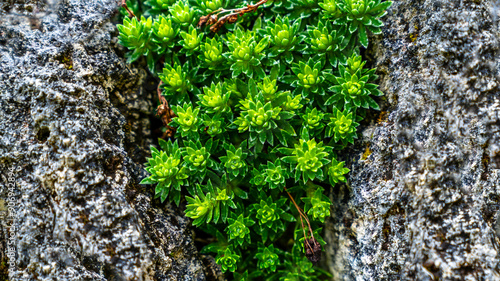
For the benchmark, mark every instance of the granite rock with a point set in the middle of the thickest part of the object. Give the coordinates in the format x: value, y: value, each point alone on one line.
x: 74, y: 136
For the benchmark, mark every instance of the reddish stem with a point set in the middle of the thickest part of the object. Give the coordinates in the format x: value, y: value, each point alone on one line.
x: 130, y: 13
x: 301, y: 221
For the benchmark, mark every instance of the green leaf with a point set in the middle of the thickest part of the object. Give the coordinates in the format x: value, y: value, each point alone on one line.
x: 177, y: 198
x: 148, y: 180
x: 357, y: 102
x: 217, y: 214
x: 377, y: 92
x: 353, y: 27
x: 381, y: 7
x: 154, y: 150
x: 240, y: 193
x: 164, y: 194
x: 262, y: 137
x: 289, y: 159
x: 374, y: 30
x: 304, y: 133
x: 136, y: 54
x: 216, y: 180
x: 252, y: 88
x: 286, y: 115
x: 151, y: 63
x: 163, y: 144
x: 258, y: 147
x: 269, y: 137
x: 274, y: 73
x: 257, y: 24
x: 288, y: 57
x: 373, y: 104
x: 199, y: 221
x: 264, y: 42
x: 377, y: 23
x: 259, y: 72
x: 285, y: 150
x: 288, y: 217
x: 287, y: 127
x: 363, y: 38
x: 280, y: 137
x: 224, y: 214
x: 264, y: 234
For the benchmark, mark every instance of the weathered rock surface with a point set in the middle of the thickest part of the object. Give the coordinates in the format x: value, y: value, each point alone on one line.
x: 424, y: 204
x: 74, y: 128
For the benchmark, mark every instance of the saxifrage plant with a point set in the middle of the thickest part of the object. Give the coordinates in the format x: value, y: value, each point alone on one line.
x: 257, y: 100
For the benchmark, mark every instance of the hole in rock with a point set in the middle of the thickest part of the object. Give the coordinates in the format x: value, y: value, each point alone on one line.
x: 43, y: 134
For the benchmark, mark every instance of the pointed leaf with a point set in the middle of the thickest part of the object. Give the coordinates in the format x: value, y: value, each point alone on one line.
x: 381, y: 7
x: 148, y: 180
x: 288, y: 217
x: 177, y: 198
x: 240, y: 193
x: 217, y: 212
x: 289, y: 159
x: 269, y: 137
x: 363, y: 38
x: 373, y: 104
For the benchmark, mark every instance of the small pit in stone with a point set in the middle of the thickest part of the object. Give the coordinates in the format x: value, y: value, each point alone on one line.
x: 66, y: 60
x: 43, y: 134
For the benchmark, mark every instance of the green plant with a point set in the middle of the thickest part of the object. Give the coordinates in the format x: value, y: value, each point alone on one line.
x: 284, y: 38
x: 257, y: 114
x: 268, y: 258
x: 307, y: 158
x: 239, y: 229
x: 212, y: 206
x: 327, y: 42
x: 363, y: 15
x: 228, y: 259
x: 135, y: 35
x: 166, y: 171
x: 342, y: 126
x: 351, y: 89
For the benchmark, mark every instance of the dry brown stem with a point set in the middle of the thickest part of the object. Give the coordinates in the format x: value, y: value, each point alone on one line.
x: 232, y: 16
x: 130, y: 13
x: 312, y: 246
x: 165, y: 113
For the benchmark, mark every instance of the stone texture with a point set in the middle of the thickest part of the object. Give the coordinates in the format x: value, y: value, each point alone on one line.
x: 75, y: 128
x: 424, y: 204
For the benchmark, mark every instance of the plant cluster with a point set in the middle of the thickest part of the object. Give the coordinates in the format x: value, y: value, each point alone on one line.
x: 258, y: 112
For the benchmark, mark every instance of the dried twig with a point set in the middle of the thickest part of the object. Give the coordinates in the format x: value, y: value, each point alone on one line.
x: 130, y: 13
x: 312, y: 246
x: 216, y: 22
x: 165, y: 113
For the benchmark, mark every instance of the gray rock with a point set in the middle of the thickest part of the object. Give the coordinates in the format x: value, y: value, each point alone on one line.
x: 75, y: 131
x: 424, y: 204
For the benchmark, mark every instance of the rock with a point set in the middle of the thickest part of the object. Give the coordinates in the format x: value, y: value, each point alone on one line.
x: 74, y: 136
x: 424, y: 204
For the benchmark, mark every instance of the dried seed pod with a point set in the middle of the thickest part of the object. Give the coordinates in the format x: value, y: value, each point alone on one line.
x: 313, y: 250
x: 213, y: 19
x: 218, y: 25
x: 232, y: 18
x: 203, y: 20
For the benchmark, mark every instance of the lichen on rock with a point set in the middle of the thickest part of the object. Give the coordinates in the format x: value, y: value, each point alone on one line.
x: 74, y: 128
x: 423, y: 205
